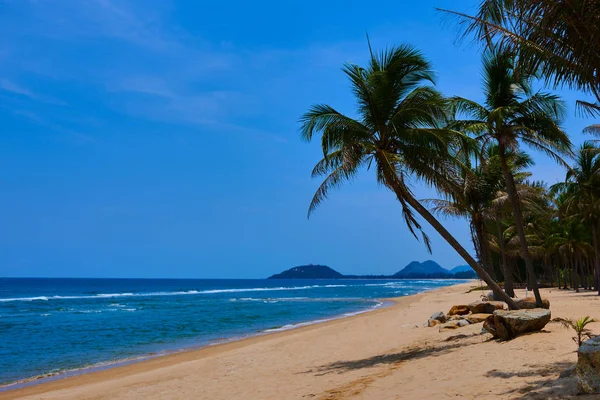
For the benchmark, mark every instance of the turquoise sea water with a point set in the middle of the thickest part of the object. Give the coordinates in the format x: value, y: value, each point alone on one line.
x: 48, y: 326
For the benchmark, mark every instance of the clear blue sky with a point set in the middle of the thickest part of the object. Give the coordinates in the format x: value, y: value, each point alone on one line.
x: 160, y: 139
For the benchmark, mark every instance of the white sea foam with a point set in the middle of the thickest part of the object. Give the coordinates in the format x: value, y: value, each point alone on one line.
x: 292, y: 299
x: 178, y: 293
x: 387, y: 284
x: 39, y: 298
x: 318, y: 321
x: 265, y: 289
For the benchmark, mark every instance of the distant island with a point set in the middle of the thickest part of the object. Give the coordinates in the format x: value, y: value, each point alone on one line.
x: 415, y: 270
x: 309, y: 272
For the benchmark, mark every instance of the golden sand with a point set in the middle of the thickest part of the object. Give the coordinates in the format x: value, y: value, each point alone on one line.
x: 384, y: 354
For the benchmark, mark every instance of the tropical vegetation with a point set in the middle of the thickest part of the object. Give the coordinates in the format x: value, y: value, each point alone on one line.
x: 475, y: 154
x: 580, y: 327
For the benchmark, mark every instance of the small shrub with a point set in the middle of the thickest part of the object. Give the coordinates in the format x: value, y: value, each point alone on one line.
x: 580, y: 329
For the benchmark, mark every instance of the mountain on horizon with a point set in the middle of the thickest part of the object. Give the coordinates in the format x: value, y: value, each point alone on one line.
x: 415, y: 270
x: 425, y: 269
x: 308, y: 272
x: 461, y: 268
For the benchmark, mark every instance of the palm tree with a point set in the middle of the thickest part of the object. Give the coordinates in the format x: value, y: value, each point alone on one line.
x: 505, y: 241
x: 513, y: 114
x: 472, y: 190
x: 398, y: 132
x: 593, y: 129
x: 571, y: 243
x: 581, y: 191
x: 558, y: 37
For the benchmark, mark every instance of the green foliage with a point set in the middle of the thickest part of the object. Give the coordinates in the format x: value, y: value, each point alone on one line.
x: 579, y: 326
x: 400, y: 130
x: 474, y: 155
x: 558, y: 40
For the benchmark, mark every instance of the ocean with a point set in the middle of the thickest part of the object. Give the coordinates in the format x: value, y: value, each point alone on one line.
x: 52, y: 326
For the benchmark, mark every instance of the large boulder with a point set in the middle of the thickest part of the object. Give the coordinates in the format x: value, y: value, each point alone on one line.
x: 440, y: 316
x: 477, y: 318
x: 528, y: 303
x: 459, y: 310
x: 485, y: 307
x: 506, y: 325
x: 588, y: 366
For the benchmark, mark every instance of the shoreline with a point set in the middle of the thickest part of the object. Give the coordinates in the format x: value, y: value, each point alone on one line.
x: 107, y: 365
x: 43, y: 380
x: 387, y: 353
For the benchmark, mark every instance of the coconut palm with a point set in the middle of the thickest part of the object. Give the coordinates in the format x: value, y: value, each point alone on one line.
x: 558, y: 37
x: 581, y: 191
x: 398, y: 133
x: 472, y: 189
x: 505, y: 240
x: 593, y: 129
x: 513, y: 114
x: 572, y: 244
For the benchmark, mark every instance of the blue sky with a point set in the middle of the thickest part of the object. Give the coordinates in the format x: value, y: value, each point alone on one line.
x: 160, y: 139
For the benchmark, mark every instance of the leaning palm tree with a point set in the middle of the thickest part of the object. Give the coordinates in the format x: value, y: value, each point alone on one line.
x: 399, y: 133
x: 561, y: 38
x: 513, y: 114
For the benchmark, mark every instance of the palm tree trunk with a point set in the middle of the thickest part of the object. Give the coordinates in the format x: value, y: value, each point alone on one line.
x: 516, y: 204
x: 483, y: 251
x: 576, y: 275
x: 462, y: 252
x: 549, y: 264
x: 565, y: 272
x: 509, y: 285
x: 558, y: 277
x: 595, y: 227
x: 395, y: 184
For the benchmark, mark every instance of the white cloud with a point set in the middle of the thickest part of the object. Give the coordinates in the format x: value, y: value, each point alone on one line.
x: 12, y: 87
x: 137, y: 62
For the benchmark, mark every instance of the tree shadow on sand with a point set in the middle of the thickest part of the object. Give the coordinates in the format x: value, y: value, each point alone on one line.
x: 411, y: 353
x: 546, y: 386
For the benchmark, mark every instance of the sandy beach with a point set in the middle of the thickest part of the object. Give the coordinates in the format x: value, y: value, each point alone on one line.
x: 384, y: 354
